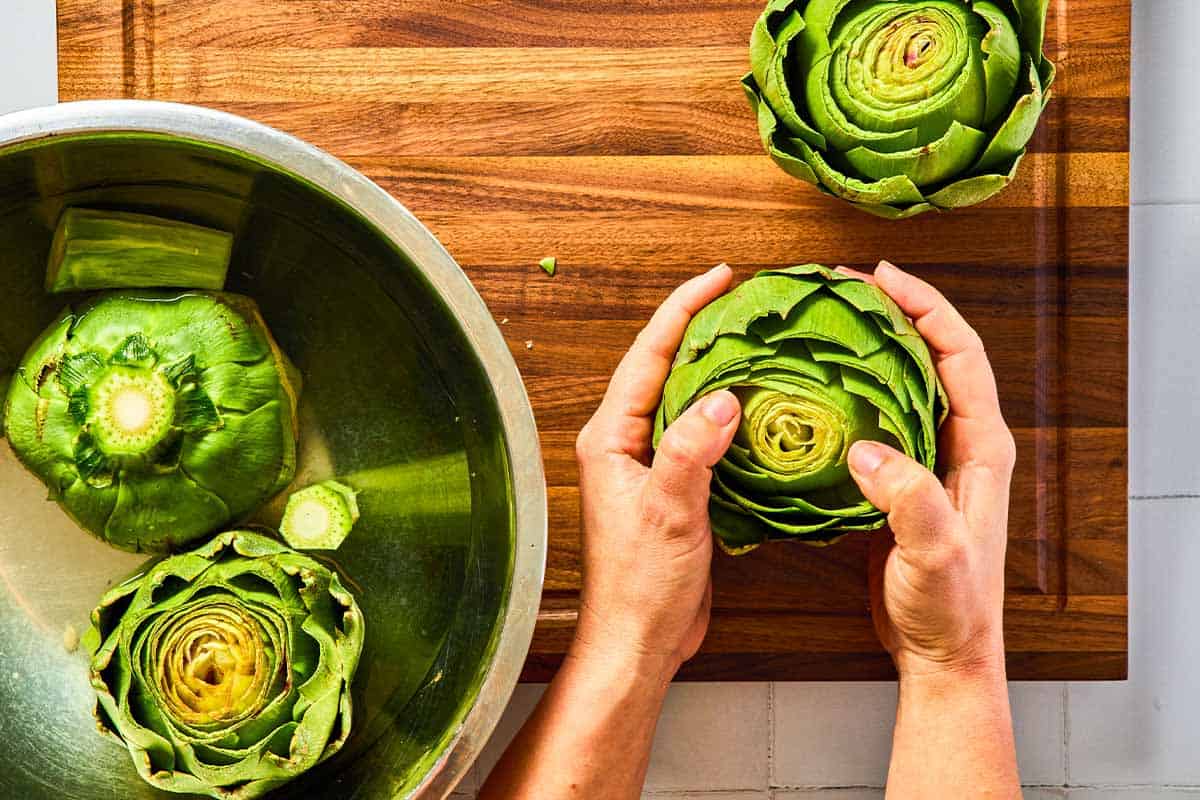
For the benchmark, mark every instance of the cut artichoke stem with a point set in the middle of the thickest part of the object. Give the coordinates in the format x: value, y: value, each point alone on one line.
x: 94, y: 249
x: 320, y: 517
x: 131, y: 411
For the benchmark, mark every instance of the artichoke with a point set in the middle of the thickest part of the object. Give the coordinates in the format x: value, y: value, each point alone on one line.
x: 819, y: 361
x: 156, y: 418
x: 900, y: 106
x: 226, y: 671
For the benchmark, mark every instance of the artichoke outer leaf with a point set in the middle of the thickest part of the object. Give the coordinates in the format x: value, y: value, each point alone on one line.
x: 1002, y: 61
x: 197, y: 413
x: 157, y: 512
x: 770, y: 43
x: 107, y: 321
x: 736, y: 531
x: 241, y: 387
x: 897, y: 190
x: 1032, y: 15
x: 39, y: 430
x: 971, y: 191
x: 211, y: 328
x: 930, y: 164
x: 767, y: 124
x: 1016, y: 131
x: 823, y: 317
x: 244, y: 461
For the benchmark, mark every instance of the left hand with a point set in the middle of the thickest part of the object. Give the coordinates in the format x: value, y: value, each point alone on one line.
x: 647, y: 544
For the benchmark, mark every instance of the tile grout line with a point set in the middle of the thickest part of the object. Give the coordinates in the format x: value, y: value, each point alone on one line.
x: 1179, y: 496
x: 1066, y: 737
x: 771, y: 736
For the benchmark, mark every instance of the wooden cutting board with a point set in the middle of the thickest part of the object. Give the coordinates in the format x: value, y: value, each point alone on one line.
x: 614, y: 135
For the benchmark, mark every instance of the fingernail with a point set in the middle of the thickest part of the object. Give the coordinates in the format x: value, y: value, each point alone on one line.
x: 885, y: 266
x: 718, y: 268
x: 866, y: 457
x: 719, y: 408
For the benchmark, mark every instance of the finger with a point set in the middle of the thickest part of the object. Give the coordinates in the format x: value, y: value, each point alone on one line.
x: 919, y: 510
x: 962, y: 362
x: 853, y: 273
x: 975, y: 434
x: 678, y: 488
x: 623, y: 419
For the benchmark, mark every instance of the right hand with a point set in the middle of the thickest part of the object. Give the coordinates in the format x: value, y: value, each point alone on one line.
x: 937, y: 577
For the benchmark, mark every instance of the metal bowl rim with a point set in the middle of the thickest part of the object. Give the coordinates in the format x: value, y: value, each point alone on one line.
x: 398, y: 224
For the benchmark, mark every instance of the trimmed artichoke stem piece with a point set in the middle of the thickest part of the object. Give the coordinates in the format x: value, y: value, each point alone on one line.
x: 227, y: 671
x: 95, y: 249
x: 320, y: 517
x: 155, y: 418
x: 818, y: 361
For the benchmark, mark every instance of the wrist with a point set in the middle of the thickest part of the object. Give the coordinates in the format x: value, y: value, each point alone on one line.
x: 614, y: 654
x: 979, y: 660
x: 600, y: 639
x: 979, y: 671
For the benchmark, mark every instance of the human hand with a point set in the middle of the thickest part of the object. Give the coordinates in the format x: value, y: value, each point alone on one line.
x: 647, y: 544
x: 937, y: 578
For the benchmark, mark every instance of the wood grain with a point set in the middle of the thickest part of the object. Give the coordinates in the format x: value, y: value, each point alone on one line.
x: 613, y: 134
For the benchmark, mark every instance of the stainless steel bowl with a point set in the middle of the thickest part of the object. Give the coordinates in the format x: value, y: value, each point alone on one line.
x: 409, y: 386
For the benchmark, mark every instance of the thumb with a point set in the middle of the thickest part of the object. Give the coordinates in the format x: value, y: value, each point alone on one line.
x: 919, y: 510
x: 682, y: 468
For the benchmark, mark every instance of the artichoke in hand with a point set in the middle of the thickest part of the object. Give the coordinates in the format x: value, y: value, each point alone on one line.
x: 900, y: 106
x: 156, y: 418
x: 819, y: 360
x: 226, y: 671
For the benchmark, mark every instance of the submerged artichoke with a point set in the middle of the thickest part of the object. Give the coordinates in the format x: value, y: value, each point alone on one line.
x: 156, y: 418
x: 819, y: 361
x: 226, y: 671
x: 900, y: 106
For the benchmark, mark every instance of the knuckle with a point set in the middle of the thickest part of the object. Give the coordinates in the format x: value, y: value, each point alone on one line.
x: 585, y: 442
x: 665, y: 513
x: 916, y: 484
x: 678, y: 449
x: 951, y: 557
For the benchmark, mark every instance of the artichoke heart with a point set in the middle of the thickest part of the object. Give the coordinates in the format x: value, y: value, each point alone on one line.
x: 226, y: 671
x: 900, y: 106
x: 156, y: 418
x: 819, y: 360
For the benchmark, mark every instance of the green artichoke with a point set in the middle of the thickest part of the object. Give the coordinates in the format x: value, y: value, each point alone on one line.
x: 226, y: 671
x: 819, y: 361
x: 156, y: 418
x: 900, y: 106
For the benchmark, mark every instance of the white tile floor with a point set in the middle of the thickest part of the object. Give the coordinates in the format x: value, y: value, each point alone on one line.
x: 1138, y: 740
